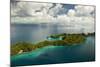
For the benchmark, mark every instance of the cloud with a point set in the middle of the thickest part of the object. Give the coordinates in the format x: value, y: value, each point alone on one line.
x: 71, y: 12
x: 79, y: 17
x: 56, y: 10
x: 24, y: 9
x: 28, y: 20
x: 40, y: 12
x: 84, y: 10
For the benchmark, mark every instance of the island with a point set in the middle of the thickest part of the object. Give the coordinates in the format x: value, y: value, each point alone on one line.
x: 51, y: 40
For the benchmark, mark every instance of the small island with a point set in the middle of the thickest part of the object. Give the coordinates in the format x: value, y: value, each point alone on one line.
x: 51, y: 40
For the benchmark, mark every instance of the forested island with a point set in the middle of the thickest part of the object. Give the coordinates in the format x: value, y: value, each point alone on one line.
x: 52, y: 40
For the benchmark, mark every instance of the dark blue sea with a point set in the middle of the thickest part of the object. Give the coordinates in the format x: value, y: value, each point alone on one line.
x: 51, y: 54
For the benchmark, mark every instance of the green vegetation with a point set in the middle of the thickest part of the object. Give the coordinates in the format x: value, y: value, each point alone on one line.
x: 57, y: 35
x: 74, y: 38
x: 68, y: 40
x: 21, y: 46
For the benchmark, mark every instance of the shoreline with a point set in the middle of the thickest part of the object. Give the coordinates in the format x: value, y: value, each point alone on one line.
x: 67, y: 40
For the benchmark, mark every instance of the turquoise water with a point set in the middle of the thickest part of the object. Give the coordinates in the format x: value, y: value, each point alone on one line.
x: 50, y: 54
x: 57, y: 54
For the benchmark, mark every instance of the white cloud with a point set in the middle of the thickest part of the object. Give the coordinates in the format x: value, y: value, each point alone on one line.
x: 81, y: 17
x: 37, y: 19
x: 55, y: 10
x: 84, y: 10
x: 29, y: 8
x: 71, y: 12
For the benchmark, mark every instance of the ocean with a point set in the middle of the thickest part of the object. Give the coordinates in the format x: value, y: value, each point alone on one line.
x: 51, y: 54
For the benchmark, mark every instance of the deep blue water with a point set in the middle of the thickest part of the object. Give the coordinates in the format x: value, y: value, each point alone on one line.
x: 31, y: 32
x: 50, y: 54
x: 37, y: 32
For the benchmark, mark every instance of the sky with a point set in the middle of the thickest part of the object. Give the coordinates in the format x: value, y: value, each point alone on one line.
x: 38, y: 12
